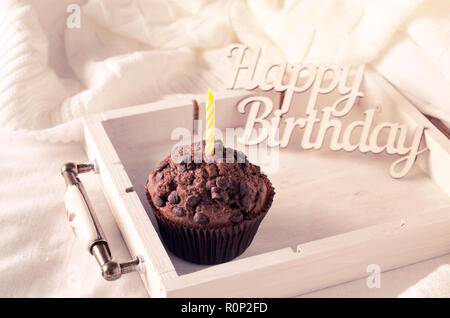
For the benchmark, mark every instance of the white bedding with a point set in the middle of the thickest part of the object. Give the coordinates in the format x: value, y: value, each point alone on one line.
x: 132, y: 52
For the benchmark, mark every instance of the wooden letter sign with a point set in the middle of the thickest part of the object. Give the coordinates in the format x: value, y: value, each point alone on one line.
x: 273, y: 77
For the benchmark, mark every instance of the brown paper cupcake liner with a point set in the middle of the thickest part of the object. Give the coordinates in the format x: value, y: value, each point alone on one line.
x: 211, y: 246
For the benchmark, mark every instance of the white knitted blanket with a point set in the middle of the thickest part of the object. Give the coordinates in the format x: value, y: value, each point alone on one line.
x: 129, y: 52
x: 132, y: 52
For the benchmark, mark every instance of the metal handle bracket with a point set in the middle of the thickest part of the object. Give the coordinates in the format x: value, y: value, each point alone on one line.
x: 86, y: 226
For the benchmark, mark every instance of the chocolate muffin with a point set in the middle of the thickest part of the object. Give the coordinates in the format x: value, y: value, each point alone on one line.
x: 208, y: 209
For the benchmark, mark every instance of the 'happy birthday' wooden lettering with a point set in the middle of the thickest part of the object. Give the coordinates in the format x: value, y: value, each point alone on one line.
x: 317, y: 81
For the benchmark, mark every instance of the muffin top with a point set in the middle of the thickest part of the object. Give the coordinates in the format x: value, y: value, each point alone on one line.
x: 212, y: 192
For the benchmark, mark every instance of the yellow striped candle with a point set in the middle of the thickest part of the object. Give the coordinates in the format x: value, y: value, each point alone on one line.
x: 210, y: 123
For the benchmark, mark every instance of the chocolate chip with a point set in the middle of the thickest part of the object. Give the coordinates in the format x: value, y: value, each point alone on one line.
x: 223, y: 182
x: 215, y: 189
x: 173, y: 197
x: 216, y: 193
x: 209, y: 184
x: 190, y: 166
x: 192, y: 200
x: 159, y: 176
x: 158, y: 201
x: 179, y: 211
x: 237, y: 218
x: 200, y: 218
x: 162, y: 165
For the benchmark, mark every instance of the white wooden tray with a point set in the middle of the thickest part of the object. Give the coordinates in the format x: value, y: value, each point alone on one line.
x: 334, y: 213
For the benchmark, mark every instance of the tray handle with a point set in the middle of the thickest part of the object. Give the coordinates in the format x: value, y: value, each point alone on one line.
x: 85, y: 224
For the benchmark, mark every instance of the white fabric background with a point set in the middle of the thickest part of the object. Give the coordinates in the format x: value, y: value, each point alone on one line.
x: 132, y: 52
